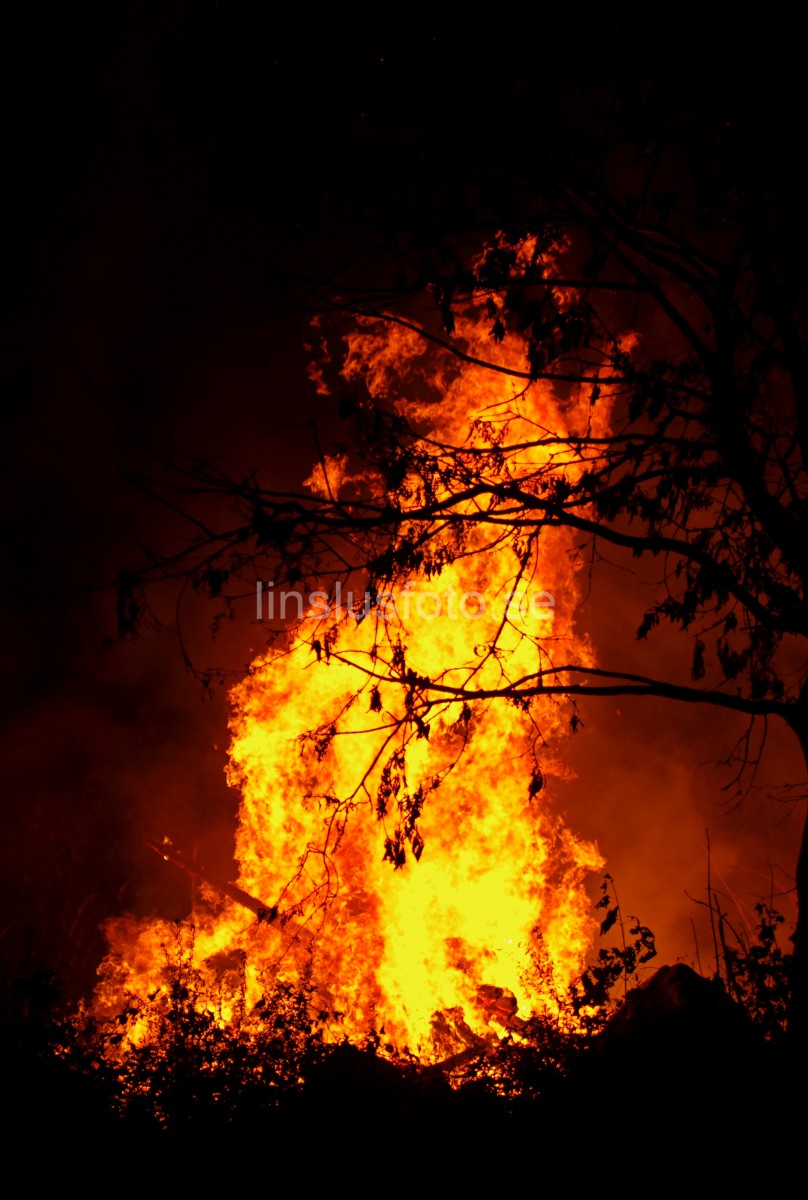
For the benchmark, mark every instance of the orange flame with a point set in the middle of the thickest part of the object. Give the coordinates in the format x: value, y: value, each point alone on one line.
x: 481, y: 919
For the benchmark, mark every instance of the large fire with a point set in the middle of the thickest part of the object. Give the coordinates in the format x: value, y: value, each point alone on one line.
x: 409, y: 866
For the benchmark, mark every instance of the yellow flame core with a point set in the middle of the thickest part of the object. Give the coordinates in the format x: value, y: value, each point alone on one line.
x: 495, y: 906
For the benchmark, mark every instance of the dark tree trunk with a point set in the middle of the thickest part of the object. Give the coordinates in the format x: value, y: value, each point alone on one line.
x: 798, y: 1019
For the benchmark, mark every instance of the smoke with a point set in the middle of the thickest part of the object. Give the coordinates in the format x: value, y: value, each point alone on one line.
x: 655, y: 785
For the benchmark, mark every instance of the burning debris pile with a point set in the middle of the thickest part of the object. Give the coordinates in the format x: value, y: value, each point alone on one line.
x: 407, y: 896
x: 400, y: 844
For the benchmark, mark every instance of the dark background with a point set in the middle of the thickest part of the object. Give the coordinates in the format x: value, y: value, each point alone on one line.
x: 175, y: 173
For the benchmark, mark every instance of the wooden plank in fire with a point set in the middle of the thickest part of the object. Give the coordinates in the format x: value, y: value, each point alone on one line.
x: 170, y: 853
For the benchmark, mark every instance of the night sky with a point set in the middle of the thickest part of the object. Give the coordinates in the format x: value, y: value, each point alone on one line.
x: 178, y: 172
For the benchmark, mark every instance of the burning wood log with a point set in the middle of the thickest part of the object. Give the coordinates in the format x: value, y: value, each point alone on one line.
x: 264, y: 912
x: 500, y: 1005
